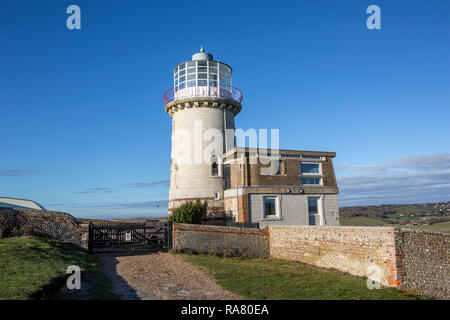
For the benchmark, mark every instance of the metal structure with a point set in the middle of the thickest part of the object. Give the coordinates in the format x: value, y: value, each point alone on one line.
x: 221, y: 91
x: 202, y: 77
x: 131, y: 237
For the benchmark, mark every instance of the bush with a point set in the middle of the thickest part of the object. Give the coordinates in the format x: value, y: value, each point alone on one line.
x: 14, y: 227
x: 190, y: 212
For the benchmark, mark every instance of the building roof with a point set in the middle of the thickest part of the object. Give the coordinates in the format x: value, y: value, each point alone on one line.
x: 281, y: 152
x: 6, y: 202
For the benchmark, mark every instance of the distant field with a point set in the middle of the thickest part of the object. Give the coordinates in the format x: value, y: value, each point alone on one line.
x: 361, y: 221
x: 365, y: 221
x: 437, y: 227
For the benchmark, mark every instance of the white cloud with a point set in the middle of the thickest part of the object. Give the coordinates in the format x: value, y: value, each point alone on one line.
x: 418, y: 178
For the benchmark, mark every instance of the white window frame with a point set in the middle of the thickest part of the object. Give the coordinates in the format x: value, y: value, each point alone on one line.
x: 277, y: 215
x: 311, y: 175
x: 320, y: 209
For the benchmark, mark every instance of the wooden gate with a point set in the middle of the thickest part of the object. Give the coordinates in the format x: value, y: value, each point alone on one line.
x: 130, y: 236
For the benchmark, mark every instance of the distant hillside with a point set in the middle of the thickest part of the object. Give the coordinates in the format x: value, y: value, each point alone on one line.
x: 418, y: 215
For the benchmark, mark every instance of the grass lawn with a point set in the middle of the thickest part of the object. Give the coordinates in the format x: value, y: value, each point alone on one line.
x: 436, y: 227
x: 28, y: 263
x: 276, y: 279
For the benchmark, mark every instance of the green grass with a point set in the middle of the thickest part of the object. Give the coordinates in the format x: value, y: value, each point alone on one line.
x: 29, y: 263
x: 361, y: 221
x: 436, y: 227
x: 276, y: 279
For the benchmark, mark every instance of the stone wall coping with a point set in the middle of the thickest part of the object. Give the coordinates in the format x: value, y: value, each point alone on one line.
x: 409, y: 230
x: 333, y: 227
x: 218, y: 229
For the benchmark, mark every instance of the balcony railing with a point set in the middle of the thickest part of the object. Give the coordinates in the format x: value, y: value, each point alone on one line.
x: 221, y: 91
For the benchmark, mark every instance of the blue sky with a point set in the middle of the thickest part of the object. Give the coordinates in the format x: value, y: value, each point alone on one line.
x: 84, y: 129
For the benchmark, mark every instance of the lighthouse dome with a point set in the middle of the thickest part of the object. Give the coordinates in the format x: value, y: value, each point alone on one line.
x: 202, y: 55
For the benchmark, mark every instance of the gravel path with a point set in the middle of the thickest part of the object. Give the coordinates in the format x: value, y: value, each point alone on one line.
x: 160, y: 276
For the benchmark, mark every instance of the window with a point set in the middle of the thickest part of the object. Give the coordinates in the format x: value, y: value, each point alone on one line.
x: 313, y: 211
x: 207, y: 73
x: 270, y: 206
x: 310, y: 157
x: 214, y: 169
x: 310, y: 173
x: 226, y: 176
x: 309, y: 168
x: 312, y: 205
x: 216, y: 195
x: 310, y: 180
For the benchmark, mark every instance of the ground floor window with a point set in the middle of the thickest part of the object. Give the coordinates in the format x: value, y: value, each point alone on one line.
x: 313, y: 210
x: 312, y: 205
x: 270, y: 206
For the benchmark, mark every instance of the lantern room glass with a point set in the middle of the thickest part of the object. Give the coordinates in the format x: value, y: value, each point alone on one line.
x: 211, y: 74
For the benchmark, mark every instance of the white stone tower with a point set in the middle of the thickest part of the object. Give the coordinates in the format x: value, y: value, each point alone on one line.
x: 202, y: 104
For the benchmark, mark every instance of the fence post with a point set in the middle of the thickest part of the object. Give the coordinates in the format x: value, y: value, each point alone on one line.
x: 90, y: 235
x: 169, y: 240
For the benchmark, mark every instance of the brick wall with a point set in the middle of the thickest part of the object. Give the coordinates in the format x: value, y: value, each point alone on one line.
x: 423, y: 262
x: 227, y: 241
x: 350, y: 249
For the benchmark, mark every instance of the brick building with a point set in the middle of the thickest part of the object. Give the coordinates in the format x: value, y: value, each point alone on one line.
x: 301, y: 191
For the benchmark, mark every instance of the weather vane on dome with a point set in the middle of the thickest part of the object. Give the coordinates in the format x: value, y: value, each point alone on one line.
x: 202, y: 49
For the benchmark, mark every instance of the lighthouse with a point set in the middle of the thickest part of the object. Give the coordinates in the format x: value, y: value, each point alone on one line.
x: 202, y: 104
x: 299, y: 189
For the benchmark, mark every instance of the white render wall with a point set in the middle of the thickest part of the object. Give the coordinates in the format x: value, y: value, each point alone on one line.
x: 191, y: 149
x: 293, y: 209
